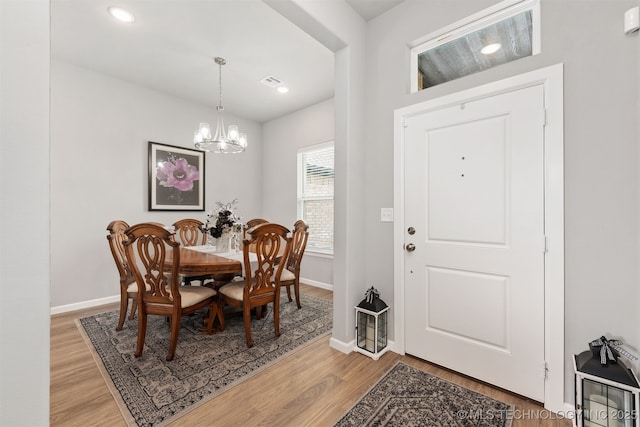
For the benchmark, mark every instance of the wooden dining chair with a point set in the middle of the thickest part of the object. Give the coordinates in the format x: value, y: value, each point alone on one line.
x: 189, y: 232
x: 154, y: 258
x: 291, y: 273
x: 128, y: 285
x: 261, y: 284
x: 252, y: 223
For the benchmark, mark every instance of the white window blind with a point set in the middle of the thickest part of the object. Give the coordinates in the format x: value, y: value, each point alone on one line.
x: 315, y: 195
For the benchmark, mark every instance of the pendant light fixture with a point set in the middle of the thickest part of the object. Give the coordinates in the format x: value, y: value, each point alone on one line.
x: 231, y: 141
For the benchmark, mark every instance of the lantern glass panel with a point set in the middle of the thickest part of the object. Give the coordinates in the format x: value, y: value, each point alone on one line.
x: 382, y: 331
x: 605, y: 405
x: 366, y: 331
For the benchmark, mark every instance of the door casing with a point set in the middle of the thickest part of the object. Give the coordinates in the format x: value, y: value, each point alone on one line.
x: 552, y: 80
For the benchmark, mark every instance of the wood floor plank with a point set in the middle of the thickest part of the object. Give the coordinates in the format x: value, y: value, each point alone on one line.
x: 313, y: 387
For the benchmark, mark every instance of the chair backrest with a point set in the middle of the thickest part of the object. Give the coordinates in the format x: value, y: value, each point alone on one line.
x: 299, y: 238
x: 154, y: 257
x: 190, y: 232
x: 252, y: 223
x: 270, y: 242
x: 116, y: 238
x: 255, y: 221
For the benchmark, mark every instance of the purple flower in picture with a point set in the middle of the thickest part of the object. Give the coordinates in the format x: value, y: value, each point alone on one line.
x: 177, y: 173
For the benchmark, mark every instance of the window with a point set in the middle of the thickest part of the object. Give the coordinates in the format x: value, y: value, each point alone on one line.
x: 507, y: 31
x: 315, y: 195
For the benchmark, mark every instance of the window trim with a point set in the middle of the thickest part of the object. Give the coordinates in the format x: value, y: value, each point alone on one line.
x: 328, y: 253
x: 470, y: 24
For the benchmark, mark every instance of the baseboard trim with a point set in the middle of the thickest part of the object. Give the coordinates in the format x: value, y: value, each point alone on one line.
x: 321, y: 285
x: 348, y: 347
x: 394, y: 348
x: 344, y: 347
x: 570, y: 412
x: 84, y: 304
x: 116, y: 298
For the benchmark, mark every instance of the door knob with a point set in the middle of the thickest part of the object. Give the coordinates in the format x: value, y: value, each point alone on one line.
x: 410, y: 247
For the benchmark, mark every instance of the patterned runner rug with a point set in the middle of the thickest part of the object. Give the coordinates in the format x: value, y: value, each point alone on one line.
x: 407, y: 396
x: 153, y: 392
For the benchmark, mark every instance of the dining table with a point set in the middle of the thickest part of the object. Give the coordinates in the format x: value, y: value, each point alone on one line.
x: 223, y: 266
x: 203, y: 260
x: 194, y: 262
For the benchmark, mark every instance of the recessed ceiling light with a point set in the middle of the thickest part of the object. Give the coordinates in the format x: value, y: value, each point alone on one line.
x: 282, y: 89
x: 121, y: 14
x: 491, y: 48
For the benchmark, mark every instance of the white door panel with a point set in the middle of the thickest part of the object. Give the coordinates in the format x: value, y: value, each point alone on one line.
x: 467, y: 183
x: 475, y: 282
x: 484, y: 323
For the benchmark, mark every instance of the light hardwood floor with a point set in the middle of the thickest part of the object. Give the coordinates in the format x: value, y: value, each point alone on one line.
x: 312, y: 387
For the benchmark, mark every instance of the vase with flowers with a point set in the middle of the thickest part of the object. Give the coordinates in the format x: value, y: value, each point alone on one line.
x: 222, y: 226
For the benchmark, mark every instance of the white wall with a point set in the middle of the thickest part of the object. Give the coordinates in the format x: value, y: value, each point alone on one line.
x: 100, y: 128
x: 24, y: 213
x: 336, y: 25
x: 601, y: 149
x: 282, y: 138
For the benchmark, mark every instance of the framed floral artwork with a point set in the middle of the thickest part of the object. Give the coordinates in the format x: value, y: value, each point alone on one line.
x: 176, y: 178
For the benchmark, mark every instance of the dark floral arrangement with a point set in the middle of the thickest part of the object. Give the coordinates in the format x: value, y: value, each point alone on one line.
x: 223, y: 220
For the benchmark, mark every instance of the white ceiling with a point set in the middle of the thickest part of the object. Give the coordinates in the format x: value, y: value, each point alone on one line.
x: 369, y: 9
x: 171, y: 46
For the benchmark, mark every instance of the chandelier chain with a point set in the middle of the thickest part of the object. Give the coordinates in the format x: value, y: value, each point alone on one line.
x: 220, y: 84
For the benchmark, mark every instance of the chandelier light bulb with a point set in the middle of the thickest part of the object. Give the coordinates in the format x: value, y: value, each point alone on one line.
x: 233, y: 133
x: 205, y: 131
x: 197, y: 137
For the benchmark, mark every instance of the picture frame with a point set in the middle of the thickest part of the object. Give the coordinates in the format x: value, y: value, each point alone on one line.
x: 176, y: 178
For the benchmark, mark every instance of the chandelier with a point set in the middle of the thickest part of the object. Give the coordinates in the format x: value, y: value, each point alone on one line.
x: 222, y: 141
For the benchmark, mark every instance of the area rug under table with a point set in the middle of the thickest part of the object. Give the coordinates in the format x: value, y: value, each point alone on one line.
x: 153, y: 392
x: 407, y: 396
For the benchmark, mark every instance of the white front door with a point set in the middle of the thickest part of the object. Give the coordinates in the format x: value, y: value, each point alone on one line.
x: 474, y: 197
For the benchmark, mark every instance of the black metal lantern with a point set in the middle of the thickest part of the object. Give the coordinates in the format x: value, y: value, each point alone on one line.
x: 606, y: 393
x: 371, y: 325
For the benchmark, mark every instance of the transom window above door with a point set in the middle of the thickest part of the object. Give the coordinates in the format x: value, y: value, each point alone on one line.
x: 503, y: 33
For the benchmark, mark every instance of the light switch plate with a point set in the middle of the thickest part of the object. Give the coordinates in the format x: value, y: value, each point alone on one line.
x: 386, y: 214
